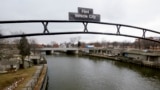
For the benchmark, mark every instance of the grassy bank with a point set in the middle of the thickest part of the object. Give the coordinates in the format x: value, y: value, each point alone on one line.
x: 8, y: 78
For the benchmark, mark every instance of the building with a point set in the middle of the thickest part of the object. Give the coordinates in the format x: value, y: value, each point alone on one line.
x: 144, y: 57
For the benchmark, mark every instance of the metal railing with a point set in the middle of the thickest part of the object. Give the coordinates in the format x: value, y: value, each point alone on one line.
x: 85, y: 30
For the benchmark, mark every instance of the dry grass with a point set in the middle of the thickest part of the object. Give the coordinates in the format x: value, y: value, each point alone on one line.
x: 9, y: 78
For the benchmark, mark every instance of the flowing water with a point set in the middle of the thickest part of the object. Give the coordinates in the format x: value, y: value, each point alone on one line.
x: 88, y: 73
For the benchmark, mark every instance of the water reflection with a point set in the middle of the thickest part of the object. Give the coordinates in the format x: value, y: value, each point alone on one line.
x: 144, y: 71
x: 89, y: 73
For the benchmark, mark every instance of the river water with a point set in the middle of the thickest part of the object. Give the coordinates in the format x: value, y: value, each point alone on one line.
x: 88, y: 73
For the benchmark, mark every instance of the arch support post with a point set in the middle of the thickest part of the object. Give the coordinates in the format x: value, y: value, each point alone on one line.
x: 144, y: 33
x: 85, y: 26
x: 118, y: 29
x: 45, y: 24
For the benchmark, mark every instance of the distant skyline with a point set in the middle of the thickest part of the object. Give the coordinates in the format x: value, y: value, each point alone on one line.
x: 141, y: 13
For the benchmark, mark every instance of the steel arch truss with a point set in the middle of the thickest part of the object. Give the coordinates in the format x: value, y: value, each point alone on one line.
x: 85, y: 30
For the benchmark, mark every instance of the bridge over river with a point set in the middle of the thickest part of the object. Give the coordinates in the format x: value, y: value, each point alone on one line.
x: 50, y: 50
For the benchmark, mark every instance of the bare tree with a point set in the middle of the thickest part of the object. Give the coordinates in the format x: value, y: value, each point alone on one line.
x: 1, y: 35
x: 115, y: 44
x: 104, y: 43
x: 1, y: 46
x: 145, y: 44
x: 33, y: 45
x: 74, y: 40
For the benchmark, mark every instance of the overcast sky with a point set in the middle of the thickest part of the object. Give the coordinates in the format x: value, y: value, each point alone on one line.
x: 142, y: 13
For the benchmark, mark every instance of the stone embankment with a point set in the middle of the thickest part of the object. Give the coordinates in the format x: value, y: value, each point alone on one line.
x: 151, y: 64
x: 39, y: 79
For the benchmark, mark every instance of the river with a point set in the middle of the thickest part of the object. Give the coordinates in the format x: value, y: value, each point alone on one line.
x: 88, y: 73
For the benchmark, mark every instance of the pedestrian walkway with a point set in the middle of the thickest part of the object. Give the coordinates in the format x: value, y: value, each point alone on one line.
x: 32, y: 82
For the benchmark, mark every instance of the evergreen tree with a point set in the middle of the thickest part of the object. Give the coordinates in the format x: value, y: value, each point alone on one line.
x: 79, y: 44
x: 24, y: 49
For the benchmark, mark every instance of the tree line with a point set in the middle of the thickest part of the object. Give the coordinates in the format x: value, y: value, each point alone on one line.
x: 8, y: 48
x: 137, y: 44
x: 25, y: 46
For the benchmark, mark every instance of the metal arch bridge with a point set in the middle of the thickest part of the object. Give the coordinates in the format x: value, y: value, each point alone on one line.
x: 85, y: 31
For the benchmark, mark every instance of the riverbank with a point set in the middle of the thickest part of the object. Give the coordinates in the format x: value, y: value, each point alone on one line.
x: 16, y: 80
x: 128, y: 60
x: 39, y: 79
x: 33, y: 78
